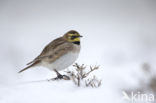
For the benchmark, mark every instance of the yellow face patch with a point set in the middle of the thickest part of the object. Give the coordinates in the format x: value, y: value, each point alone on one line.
x: 76, y: 39
x: 73, y: 37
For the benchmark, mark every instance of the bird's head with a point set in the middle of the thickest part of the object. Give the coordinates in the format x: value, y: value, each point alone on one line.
x: 72, y: 36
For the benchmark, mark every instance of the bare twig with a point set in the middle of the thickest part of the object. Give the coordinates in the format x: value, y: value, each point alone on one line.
x: 91, y: 70
x: 80, y: 75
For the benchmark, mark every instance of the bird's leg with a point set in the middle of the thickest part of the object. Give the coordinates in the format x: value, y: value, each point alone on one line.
x: 60, y: 76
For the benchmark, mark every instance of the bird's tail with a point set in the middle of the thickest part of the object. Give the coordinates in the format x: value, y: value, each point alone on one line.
x: 34, y: 64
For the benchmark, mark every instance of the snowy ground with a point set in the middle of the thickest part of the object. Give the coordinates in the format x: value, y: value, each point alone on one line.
x: 118, y: 35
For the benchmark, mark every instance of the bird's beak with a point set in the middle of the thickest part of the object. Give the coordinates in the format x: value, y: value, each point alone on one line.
x: 80, y: 36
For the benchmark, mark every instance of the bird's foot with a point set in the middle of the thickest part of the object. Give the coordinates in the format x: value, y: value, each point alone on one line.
x: 59, y: 77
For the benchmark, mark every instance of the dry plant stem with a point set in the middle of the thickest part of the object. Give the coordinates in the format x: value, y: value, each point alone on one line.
x: 73, y: 77
x: 93, y: 82
x: 91, y: 70
x: 99, y: 84
x: 80, y: 75
x: 78, y: 81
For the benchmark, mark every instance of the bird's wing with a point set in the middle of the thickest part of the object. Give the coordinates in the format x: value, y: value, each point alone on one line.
x: 53, y: 50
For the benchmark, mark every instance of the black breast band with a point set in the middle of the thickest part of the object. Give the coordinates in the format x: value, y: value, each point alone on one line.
x: 76, y: 42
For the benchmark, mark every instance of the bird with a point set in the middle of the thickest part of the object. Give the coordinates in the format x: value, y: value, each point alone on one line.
x: 58, y: 54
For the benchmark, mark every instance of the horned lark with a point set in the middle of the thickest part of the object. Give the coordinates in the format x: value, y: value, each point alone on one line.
x: 58, y: 54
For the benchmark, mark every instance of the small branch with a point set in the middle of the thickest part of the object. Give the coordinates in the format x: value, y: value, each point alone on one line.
x: 91, y: 70
x: 80, y: 75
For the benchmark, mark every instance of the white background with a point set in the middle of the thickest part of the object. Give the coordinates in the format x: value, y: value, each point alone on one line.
x: 118, y: 35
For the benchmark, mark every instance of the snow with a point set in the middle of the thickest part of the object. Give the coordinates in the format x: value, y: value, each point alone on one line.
x: 117, y: 35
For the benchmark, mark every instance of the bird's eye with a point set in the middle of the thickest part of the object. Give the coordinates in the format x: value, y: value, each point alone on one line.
x: 73, y: 37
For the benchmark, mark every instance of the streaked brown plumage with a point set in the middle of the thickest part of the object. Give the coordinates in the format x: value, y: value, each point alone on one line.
x: 69, y: 43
